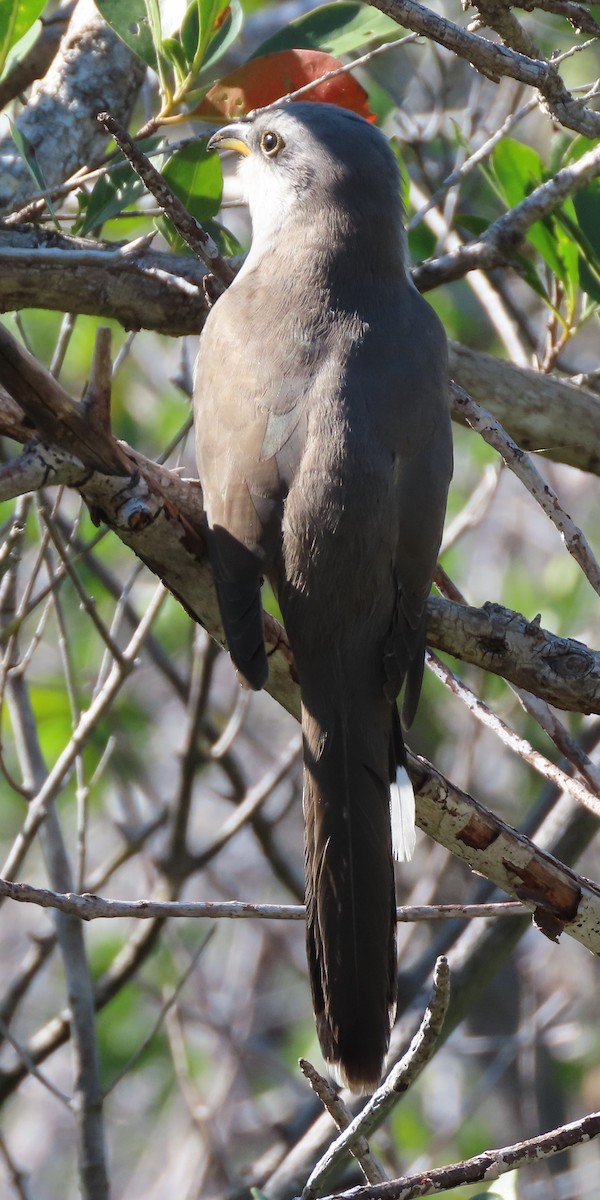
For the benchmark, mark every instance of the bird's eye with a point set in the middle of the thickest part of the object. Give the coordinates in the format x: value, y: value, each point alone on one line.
x: 271, y: 143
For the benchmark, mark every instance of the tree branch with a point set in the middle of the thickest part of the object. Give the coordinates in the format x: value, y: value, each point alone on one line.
x: 141, y: 288
x: 560, y: 671
x: 400, y: 1079
x: 497, y: 245
x: 187, y: 226
x: 496, y: 61
x: 482, y: 1168
x: 59, y: 122
x: 38, y: 58
x: 540, y: 412
x: 89, y: 907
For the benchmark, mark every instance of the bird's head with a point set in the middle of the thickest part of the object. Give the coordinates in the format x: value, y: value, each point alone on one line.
x: 305, y: 160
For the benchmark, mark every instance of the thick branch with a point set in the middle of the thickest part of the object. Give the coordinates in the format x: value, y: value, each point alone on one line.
x: 504, y: 856
x: 93, y: 67
x: 149, y: 289
x: 58, y: 418
x: 496, y: 61
x: 562, y: 671
x: 141, y: 288
x: 38, y: 58
x: 539, y: 412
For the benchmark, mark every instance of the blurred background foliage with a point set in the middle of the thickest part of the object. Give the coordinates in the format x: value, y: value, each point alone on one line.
x: 199, y: 1036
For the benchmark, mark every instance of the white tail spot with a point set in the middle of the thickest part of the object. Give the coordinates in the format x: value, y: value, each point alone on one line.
x: 402, y: 814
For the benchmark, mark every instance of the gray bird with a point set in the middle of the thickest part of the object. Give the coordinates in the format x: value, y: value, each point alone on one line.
x: 325, y: 454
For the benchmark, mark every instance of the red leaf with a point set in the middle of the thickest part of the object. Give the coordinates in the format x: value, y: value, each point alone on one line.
x: 264, y: 80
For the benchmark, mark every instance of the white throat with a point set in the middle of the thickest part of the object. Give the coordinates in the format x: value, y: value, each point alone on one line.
x: 270, y: 199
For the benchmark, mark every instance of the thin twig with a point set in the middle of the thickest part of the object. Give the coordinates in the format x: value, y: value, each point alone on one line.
x: 483, y: 1167
x: 334, y: 1105
x: 168, y: 1002
x: 191, y: 232
x: 38, y: 807
x: 523, y: 467
x: 31, y: 1067
x: 400, y: 1078
x: 520, y: 745
x: 90, y: 907
x: 503, y: 237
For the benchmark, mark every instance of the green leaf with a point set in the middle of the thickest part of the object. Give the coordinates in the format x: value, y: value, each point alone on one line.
x: 526, y: 268
x: 518, y: 170
x: 154, y: 14
x: 208, y: 29
x: 589, y: 279
x: 190, y: 32
x: 578, y: 147
x: 195, y: 176
x: 27, y: 153
x: 587, y: 209
x: 205, y: 43
x: 421, y: 243
x: 129, y: 20
x: 334, y: 28
x: 543, y: 236
x: 226, y: 36
x: 16, y: 17
x: 568, y: 253
x: 579, y: 227
x: 155, y: 19
x: 212, y: 14
x: 112, y: 193
x: 175, y: 53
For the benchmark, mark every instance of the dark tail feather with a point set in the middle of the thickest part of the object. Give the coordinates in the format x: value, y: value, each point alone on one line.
x: 236, y: 573
x: 350, y: 897
x: 241, y: 611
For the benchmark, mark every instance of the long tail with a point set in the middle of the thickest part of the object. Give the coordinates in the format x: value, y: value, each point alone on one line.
x: 351, y: 916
